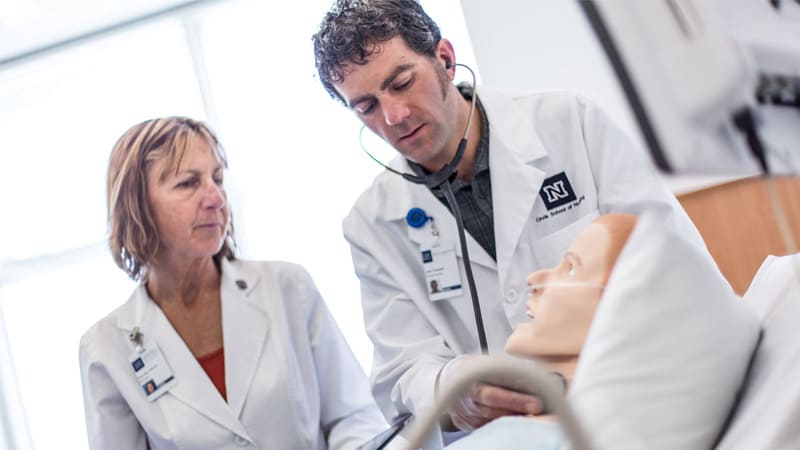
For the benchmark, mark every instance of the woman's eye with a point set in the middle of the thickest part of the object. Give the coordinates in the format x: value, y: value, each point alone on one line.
x: 187, y: 183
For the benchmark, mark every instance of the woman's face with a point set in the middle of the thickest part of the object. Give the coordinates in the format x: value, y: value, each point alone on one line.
x: 190, y: 206
x: 563, y: 299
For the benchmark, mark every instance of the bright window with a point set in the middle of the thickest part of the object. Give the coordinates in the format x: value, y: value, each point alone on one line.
x: 295, y: 169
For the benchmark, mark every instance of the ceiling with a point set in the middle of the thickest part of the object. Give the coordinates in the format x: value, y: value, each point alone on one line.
x: 31, y: 26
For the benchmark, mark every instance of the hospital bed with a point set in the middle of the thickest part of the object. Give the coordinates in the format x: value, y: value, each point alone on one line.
x: 728, y: 383
x: 736, y: 221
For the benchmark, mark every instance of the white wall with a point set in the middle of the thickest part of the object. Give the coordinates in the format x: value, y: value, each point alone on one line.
x: 536, y: 45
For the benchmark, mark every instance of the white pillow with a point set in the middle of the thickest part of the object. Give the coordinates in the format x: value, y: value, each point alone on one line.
x: 767, y: 415
x: 668, y: 349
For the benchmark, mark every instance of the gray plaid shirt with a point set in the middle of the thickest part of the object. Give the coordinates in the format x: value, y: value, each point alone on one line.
x: 474, y: 198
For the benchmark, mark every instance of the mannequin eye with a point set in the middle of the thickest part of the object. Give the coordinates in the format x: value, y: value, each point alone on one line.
x: 571, y: 263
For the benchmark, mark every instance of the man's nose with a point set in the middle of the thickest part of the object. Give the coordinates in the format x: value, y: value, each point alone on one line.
x: 395, y: 112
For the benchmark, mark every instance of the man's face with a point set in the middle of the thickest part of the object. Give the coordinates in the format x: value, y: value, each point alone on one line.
x: 405, y: 98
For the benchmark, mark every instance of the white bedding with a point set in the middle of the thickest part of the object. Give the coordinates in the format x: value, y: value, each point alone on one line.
x: 668, y: 349
x: 768, y: 416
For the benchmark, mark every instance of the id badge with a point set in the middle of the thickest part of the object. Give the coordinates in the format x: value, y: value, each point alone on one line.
x: 442, y: 277
x: 151, y: 370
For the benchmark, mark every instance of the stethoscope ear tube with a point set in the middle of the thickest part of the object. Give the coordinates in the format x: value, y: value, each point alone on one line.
x: 442, y: 179
x: 446, y: 173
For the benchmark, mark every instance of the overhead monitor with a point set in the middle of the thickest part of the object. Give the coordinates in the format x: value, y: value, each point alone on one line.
x: 684, y: 79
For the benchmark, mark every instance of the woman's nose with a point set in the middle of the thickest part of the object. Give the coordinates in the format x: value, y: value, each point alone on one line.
x: 214, y: 195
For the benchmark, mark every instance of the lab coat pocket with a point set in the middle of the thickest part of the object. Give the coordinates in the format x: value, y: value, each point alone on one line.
x: 549, y: 249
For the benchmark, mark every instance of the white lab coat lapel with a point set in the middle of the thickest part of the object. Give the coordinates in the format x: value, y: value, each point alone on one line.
x: 513, y: 147
x: 419, y: 196
x: 192, y: 386
x: 245, y: 328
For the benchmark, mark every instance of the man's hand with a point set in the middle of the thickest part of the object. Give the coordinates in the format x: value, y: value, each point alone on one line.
x: 483, y: 403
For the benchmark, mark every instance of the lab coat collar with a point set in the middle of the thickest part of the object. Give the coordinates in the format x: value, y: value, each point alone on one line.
x: 510, y: 123
x: 245, y: 325
x: 244, y: 335
x: 513, y: 149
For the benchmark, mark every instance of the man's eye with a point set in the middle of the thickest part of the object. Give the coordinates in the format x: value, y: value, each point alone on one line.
x: 404, y: 85
x: 570, y: 269
x: 366, y: 109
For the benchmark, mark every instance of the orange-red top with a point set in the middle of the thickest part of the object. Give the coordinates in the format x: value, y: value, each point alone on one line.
x: 214, y: 365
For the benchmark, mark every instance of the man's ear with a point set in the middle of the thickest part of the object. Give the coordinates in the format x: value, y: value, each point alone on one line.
x: 446, y: 54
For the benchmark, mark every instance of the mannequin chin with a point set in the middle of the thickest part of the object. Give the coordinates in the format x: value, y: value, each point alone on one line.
x: 564, y: 298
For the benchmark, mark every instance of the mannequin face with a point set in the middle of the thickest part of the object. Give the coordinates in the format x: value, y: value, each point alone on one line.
x: 564, y: 299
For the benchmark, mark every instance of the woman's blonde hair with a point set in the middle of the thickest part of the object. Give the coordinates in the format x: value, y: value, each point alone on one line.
x: 133, y: 235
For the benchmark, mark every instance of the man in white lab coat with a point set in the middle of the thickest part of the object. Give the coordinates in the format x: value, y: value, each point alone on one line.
x: 535, y: 171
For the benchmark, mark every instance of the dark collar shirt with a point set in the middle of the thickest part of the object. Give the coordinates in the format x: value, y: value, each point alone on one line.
x: 474, y: 198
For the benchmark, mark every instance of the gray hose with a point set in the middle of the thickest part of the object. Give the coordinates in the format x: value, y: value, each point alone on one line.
x: 496, y: 370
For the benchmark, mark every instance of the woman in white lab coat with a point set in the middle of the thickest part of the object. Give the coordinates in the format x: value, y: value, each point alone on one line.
x: 209, y: 351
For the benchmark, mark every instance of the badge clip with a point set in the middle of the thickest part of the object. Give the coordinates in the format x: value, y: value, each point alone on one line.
x: 417, y: 218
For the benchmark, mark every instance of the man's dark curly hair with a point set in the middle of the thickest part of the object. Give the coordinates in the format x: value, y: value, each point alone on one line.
x: 352, y: 30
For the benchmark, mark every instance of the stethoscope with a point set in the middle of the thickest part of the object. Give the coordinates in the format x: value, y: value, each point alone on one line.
x: 442, y: 179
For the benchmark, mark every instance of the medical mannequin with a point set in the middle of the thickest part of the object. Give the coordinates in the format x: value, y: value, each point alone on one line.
x: 564, y: 299
x: 562, y: 305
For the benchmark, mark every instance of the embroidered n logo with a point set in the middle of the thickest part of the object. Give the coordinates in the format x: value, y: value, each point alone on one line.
x: 557, y: 191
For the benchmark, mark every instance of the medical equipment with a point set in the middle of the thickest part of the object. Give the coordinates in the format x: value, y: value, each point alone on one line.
x: 700, y: 78
x: 693, y: 88
x: 442, y: 179
x: 523, y: 375
x: 683, y: 79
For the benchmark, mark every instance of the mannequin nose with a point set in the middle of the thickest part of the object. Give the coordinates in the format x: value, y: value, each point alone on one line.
x: 538, y: 277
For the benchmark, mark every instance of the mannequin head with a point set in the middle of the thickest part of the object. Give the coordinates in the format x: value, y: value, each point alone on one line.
x: 564, y: 298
